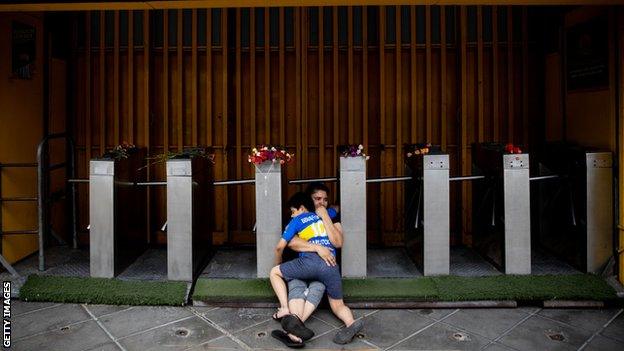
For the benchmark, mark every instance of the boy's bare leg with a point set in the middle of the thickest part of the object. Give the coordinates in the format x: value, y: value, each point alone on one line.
x: 296, y: 306
x: 308, y: 309
x: 280, y: 289
x: 341, y: 311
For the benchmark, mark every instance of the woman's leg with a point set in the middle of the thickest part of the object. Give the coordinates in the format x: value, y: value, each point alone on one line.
x: 341, y: 311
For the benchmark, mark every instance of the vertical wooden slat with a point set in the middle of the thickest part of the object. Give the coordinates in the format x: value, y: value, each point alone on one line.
x: 165, y: 81
x: 428, y: 66
x: 146, y: 114
x: 351, y: 125
x: 130, y: 78
x: 336, y: 92
x: 180, y: 59
x: 224, y: 118
x: 239, y: 111
x: 382, y: 109
x: 267, y: 78
x: 480, y: 73
x: 252, y: 74
x: 302, y: 67
x: 510, y: 74
x: 209, y: 116
x: 282, y: 78
x: 194, y: 131
x: 298, y: 84
x: 398, y: 153
x: 88, y: 88
x: 116, y: 112
x: 102, y: 83
x: 443, y: 101
x: 365, y: 76
x: 413, y: 72
x: 495, y: 58
x: 321, y: 92
x: 525, y: 77
x: 464, y: 114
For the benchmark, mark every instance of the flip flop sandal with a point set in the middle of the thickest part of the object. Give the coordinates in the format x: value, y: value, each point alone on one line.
x: 345, y: 335
x: 283, y: 337
x: 292, y: 324
x: 276, y: 318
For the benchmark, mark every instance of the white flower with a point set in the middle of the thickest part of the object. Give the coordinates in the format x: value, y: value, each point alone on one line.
x: 361, y: 147
x: 367, y: 158
x: 273, y: 149
x: 409, y: 154
x: 359, y: 151
x: 254, y: 150
x: 287, y: 155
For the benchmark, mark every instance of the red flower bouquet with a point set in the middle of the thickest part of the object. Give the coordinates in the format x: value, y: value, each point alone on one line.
x: 269, y: 153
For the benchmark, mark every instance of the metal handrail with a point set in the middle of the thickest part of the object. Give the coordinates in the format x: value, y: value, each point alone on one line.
x: 234, y: 182
x: 312, y: 180
x: 388, y: 179
x: 454, y: 179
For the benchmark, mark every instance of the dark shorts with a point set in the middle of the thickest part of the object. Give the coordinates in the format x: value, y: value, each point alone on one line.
x: 312, y: 267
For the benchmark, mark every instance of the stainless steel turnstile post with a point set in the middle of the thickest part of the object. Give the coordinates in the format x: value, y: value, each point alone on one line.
x: 268, y: 215
x: 188, y: 231
x: 436, y: 213
x: 599, y: 209
x: 353, y: 215
x: 517, y: 212
x: 102, y: 218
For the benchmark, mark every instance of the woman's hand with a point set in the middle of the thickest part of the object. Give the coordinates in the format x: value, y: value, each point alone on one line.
x: 326, y: 255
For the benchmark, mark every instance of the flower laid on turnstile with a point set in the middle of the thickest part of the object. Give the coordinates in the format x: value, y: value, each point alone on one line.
x: 353, y: 151
x: 120, y: 151
x: 191, y: 152
x: 274, y: 154
x: 418, y: 149
x: 511, y: 149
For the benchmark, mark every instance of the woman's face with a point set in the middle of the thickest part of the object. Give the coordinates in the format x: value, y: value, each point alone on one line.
x: 320, y: 198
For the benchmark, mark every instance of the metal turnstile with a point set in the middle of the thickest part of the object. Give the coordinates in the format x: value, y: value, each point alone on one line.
x: 189, y: 225
x: 427, y: 214
x: 573, y: 216
x: 501, y: 208
x: 353, y: 216
x: 269, y: 211
x: 117, y: 214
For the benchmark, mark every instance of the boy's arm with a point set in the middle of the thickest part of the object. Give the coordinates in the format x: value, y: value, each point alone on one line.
x: 335, y: 236
x: 279, y: 250
x: 300, y: 245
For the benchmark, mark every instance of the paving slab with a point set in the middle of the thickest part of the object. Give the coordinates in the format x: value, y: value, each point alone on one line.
x: 497, y: 347
x: 141, y: 318
x: 591, y: 320
x: 325, y: 342
x: 82, y: 336
x: 600, y: 343
x: 442, y: 337
x: 47, y: 319
x: 235, y: 319
x: 436, y: 314
x: 386, y: 327
x: 489, y: 323
x: 20, y: 307
x: 538, y: 333
x: 175, y: 336
x: 101, y: 310
x: 221, y: 343
x: 615, y: 329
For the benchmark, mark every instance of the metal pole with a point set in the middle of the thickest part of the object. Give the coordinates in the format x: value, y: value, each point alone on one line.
x: 78, y: 181
x: 312, y: 180
x: 388, y: 179
x: 453, y: 179
x: 234, y: 182
x: 543, y: 177
x: 72, y: 189
x: 40, y: 201
x: 150, y: 183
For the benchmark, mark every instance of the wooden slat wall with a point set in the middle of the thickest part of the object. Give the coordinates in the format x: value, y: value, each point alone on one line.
x: 309, y: 96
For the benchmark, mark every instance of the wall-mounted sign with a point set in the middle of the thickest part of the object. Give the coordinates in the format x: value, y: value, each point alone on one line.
x: 587, y: 55
x: 23, y: 50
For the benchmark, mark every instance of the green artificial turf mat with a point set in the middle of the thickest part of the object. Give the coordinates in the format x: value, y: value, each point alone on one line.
x: 523, y: 288
x: 372, y: 289
x: 103, y: 291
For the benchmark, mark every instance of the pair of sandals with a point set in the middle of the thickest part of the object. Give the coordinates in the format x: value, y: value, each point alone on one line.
x: 294, y: 326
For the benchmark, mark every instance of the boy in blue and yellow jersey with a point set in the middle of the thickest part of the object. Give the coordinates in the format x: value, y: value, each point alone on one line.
x: 315, y: 228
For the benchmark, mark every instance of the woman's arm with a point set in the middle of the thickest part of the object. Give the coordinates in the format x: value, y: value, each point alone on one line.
x: 335, y: 236
x: 300, y: 245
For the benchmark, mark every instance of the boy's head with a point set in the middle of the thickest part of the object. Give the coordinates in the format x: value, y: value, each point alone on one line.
x: 318, y: 192
x: 300, y: 203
